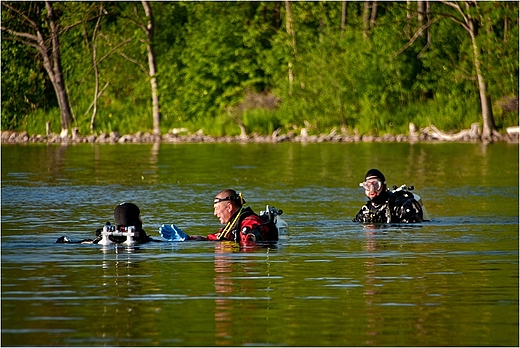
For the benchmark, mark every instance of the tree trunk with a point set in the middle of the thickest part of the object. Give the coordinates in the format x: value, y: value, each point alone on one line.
x: 366, y: 16
x: 152, y: 69
x: 54, y: 70
x: 373, y: 15
x: 469, y: 24
x: 488, y: 120
x: 96, y: 72
x: 420, y: 14
x: 289, y: 25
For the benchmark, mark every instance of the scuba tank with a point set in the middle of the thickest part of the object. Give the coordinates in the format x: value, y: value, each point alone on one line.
x: 272, y: 215
x: 406, y: 188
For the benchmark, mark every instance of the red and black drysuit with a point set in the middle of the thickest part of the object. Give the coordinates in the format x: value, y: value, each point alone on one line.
x: 249, y: 227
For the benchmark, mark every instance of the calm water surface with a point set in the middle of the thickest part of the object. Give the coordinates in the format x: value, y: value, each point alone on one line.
x: 450, y: 282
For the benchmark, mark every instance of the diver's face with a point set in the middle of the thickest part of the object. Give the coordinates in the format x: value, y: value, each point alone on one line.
x: 373, y: 187
x: 222, y: 210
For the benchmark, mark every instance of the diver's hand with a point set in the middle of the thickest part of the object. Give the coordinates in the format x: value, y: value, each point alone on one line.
x: 198, y: 238
x: 63, y: 239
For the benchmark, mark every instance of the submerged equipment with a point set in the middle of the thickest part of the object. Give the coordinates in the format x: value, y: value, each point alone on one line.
x: 124, y: 231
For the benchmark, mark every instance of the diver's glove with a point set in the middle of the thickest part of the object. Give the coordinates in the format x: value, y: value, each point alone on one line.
x: 172, y: 233
x: 63, y: 239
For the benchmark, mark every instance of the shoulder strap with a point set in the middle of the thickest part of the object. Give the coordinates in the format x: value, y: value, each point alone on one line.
x: 232, y: 227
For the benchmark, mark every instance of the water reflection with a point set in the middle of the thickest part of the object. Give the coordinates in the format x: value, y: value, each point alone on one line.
x: 120, y: 312
x: 224, y: 289
x: 238, y: 281
x: 371, y: 286
x: 380, y: 280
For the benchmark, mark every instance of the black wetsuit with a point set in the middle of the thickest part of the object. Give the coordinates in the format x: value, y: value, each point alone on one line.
x: 391, y: 207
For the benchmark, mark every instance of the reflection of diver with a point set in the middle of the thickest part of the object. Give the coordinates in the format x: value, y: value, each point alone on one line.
x: 399, y: 205
x: 223, y: 288
x: 118, y: 286
x: 233, y: 292
x: 242, y: 224
x: 128, y: 228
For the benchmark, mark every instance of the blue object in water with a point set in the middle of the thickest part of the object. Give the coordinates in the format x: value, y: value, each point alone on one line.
x: 172, y: 233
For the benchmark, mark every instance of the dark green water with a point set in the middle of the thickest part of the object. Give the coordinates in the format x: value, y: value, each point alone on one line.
x: 450, y: 282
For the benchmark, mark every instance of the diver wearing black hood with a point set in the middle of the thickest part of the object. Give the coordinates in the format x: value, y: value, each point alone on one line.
x: 125, y: 215
x: 385, y: 206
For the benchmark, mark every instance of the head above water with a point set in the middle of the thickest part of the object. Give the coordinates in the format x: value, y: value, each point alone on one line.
x: 128, y: 214
x: 374, y: 184
x: 231, y: 196
x: 226, y: 204
x: 375, y: 173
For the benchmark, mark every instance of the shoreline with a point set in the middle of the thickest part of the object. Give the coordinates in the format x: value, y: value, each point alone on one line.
x: 12, y: 137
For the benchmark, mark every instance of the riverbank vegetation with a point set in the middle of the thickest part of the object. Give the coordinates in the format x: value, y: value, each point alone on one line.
x: 242, y: 68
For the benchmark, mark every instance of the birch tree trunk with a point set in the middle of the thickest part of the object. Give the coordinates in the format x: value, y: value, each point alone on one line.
x: 53, y: 68
x: 96, y: 71
x: 152, y: 69
x: 366, y: 16
x: 420, y: 12
x: 289, y: 25
x: 373, y: 15
x: 469, y: 24
x: 488, y: 120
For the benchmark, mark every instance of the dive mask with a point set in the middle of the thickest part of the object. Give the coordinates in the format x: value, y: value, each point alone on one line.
x: 375, y: 183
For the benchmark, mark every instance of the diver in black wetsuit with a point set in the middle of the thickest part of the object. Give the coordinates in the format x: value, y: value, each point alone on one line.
x: 385, y: 206
x: 125, y: 215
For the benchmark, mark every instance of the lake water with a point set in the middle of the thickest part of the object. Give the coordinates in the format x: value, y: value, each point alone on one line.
x: 449, y: 282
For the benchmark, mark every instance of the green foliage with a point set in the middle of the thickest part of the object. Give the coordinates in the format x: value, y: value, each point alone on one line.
x: 499, y: 39
x: 211, y: 55
x: 24, y: 88
x: 261, y: 121
x: 218, y: 126
x: 36, y: 122
x: 445, y: 112
x: 219, y: 61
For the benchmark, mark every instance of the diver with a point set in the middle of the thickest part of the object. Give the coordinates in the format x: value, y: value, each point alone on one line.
x: 242, y: 224
x: 386, y: 206
x: 127, y: 217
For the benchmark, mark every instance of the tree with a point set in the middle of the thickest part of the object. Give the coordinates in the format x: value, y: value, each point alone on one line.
x: 97, y: 93
x: 289, y: 24
x: 201, y: 59
x: 37, y: 26
x: 148, y: 29
x: 369, y: 17
x: 471, y: 16
x: 467, y: 17
x: 101, y: 45
x: 147, y: 26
